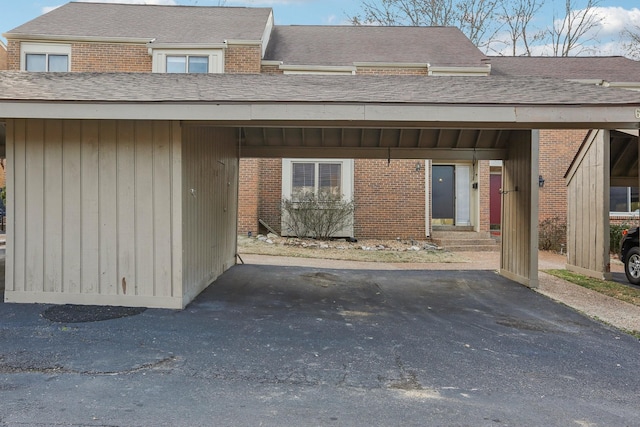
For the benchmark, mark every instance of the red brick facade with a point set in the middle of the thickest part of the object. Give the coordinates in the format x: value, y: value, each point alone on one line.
x: 110, y: 57
x: 557, y: 149
x: 242, y: 59
x: 13, y: 55
x: 390, y: 199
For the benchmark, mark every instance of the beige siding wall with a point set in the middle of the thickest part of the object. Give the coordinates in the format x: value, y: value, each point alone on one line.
x: 588, y: 208
x: 519, y: 256
x: 92, y: 216
x: 210, y: 205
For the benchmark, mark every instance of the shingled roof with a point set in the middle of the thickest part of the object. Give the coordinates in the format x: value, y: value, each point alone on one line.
x: 238, y: 88
x: 609, y: 68
x: 346, y: 45
x: 163, y: 24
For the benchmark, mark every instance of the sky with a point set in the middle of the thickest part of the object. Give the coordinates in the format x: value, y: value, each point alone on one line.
x: 618, y: 13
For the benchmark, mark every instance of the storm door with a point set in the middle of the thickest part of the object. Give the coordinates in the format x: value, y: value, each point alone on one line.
x: 443, y: 196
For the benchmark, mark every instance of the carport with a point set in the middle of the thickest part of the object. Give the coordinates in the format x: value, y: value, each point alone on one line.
x: 122, y: 188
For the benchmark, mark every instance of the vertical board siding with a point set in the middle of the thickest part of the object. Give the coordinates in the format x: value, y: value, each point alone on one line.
x: 91, y: 212
x: 210, y: 185
x: 519, y: 209
x: 162, y: 173
x: 588, y: 183
x: 53, y: 201
x: 126, y: 209
x: 89, y: 199
x: 144, y: 231
x: 34, y: 157
x: 71, y: 207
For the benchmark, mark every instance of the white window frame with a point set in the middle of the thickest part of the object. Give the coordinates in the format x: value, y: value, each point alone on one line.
x: 215, y: 56
x: 346, y: 175
x: 43, y: 49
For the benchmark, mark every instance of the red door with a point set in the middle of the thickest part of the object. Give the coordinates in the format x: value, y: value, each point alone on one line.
x: 495, y: 201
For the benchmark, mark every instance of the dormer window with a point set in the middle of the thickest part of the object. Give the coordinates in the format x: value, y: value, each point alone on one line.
x: 45, y: 57
x: 188, y: 60
x: 187, y: 64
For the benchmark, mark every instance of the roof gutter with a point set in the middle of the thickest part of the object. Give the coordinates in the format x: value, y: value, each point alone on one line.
x: 190, y: 46
x: 63, y: 38
x: 317, y: 68
x: 484, y: 70
x: 391, y: 64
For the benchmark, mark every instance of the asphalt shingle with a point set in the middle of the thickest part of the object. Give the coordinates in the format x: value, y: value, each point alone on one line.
x: 147, y: 87
x: 609, y: 68
x: 163, y: 24
x: 344, y: 45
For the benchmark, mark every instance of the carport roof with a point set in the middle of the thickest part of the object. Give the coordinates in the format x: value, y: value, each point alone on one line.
x: 157, y: 87
x: 494, y: 99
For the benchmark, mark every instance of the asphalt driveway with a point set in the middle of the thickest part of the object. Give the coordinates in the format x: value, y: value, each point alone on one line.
x: 276, y: 345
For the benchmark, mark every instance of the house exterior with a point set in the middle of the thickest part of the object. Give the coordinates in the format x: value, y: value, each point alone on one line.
x: 150, y: 147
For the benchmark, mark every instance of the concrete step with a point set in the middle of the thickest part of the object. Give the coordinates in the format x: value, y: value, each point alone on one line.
x: 455, y: 239
x: 464, y: 242
x: 460, y: 235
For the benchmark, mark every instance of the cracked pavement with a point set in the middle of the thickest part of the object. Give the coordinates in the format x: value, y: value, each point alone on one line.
x: 277, y: 345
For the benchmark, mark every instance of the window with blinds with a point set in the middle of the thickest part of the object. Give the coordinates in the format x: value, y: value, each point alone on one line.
x: 316, y: 177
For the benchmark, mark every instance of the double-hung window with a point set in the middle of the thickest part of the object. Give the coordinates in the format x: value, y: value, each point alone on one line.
x: 187, y: 64
x: 326, y: 178
x: 319, y: 178
x: 45, y: 57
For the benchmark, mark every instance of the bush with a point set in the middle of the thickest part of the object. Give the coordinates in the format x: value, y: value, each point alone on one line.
x: 319, y: 216
x: 615, y: 235
x: 552, y: 234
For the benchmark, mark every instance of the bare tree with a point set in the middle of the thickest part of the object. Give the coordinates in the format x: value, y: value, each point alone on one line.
x: 517, y: 16
x: 406, y: 12
x: 569, y: 34
x: 632, y: 43
x: 476, y: 18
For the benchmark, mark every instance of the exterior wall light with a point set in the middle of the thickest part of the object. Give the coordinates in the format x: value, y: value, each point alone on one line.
x: 540, y: 181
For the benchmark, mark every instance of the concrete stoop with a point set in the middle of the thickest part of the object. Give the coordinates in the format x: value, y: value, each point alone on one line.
x: 464, y: 240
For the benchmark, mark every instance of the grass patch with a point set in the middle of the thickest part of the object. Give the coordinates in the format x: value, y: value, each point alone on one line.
x: 606, y: 287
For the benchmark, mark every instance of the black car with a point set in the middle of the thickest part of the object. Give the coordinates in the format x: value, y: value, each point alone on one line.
x: 630, y: 255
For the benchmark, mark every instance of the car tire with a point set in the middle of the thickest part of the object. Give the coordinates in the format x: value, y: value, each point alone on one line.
x: 632, y: 265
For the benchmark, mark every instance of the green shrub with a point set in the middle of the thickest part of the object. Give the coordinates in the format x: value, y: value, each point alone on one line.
x: 615, y: 235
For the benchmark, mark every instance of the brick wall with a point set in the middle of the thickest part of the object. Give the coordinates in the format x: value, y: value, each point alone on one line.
x: 110, y: 57
x: 270, y: 192
x: 3, y: 57
x: 243, y: 59
x: 13, y: 55
x: 248, y: 197
x: 484, y: 171
x: 389, y: 199
x: 557, y: 149
x: 271, y: 69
